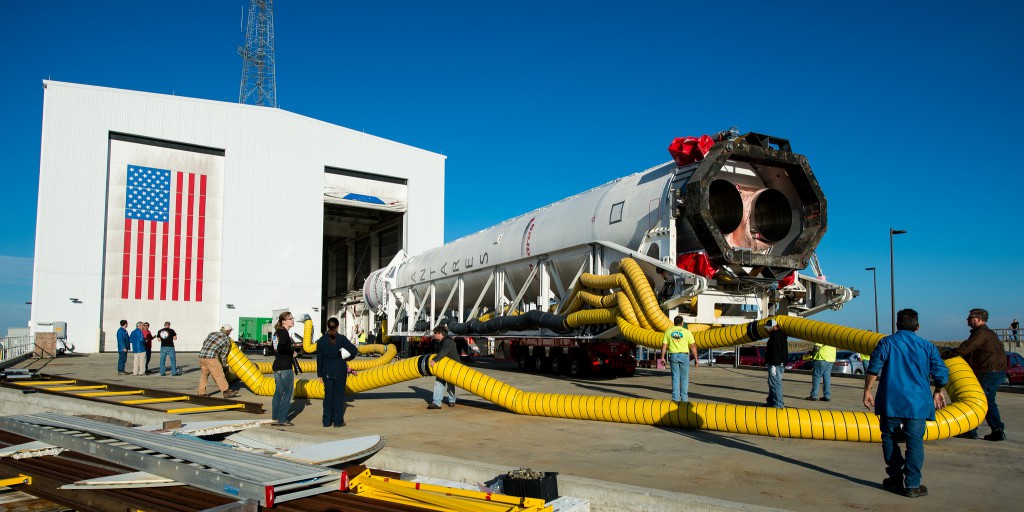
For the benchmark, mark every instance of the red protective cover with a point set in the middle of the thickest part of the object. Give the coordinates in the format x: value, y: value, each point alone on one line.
x: 687, y: 150
x: 696, y: 263
x: 788, y: 280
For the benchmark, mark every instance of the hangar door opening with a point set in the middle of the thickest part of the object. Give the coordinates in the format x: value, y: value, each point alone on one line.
x: 364, y: 227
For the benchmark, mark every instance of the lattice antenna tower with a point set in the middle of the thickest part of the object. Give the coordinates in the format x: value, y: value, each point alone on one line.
x: 259, y: 81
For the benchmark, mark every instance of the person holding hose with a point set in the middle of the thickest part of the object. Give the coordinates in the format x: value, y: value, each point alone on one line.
x: 441, y: 386
x: 333, y: 351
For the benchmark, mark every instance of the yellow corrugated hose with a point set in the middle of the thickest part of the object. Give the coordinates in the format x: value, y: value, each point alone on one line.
x: 388, y: 352
x: 260, y: 384
x: 965, y: 412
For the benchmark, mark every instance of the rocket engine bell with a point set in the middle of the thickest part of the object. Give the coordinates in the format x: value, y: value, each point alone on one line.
x: 754, y: 206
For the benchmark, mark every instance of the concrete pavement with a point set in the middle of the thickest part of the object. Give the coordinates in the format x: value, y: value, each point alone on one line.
x: 631, y: 467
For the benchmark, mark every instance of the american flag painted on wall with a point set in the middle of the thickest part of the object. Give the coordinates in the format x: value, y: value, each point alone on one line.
x: 164, y: 234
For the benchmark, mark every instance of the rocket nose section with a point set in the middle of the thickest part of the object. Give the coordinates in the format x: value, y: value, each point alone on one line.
x: 755, y: 204
x: 379, y: 283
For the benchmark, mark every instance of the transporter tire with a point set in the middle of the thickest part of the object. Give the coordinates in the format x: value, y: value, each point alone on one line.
x: 539, y: 364
x: 557, y: 365
x: 267, y: 351
x: 524, y: 363
x: 574, y: 368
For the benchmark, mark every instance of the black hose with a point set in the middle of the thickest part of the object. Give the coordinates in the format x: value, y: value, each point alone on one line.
x: 529, y: 320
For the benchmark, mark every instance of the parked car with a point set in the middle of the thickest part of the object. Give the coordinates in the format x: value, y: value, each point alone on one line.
x: 705, y: 357
x: 467, y: 348
x: 849, y: 363
x: 797, y: 361
x: 1014, y: 368
x: 749, y: 356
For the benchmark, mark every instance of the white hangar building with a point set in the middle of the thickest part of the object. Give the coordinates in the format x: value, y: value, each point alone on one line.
x: 163, y: 208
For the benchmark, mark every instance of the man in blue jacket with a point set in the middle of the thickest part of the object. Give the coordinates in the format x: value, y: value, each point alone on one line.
x: 333, y: 350
x: 138, y: 342
x: 123, y: 345
x: 908, y: 364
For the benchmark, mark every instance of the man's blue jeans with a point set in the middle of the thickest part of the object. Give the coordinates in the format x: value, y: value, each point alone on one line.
x: 164, y: 353
x: 990, y: 382
x: 822, y: 374
x: 906, y: 469
x: 679, y: 363
x: 440, y: 386
x: 122, y: 358
x: 775, y: 385
x: 284, y: 389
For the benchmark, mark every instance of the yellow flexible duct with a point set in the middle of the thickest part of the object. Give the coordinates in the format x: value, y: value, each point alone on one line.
x: 591, y: 317
x: 965, y: 413
x: 616, y: 281
x: 645, y: 294
x: 308, y: 345
x: 260, y: 384
x: 388, y: 352
x: 599, y: 301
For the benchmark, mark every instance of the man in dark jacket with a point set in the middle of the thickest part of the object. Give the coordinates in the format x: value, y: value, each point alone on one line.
x: 984, y: 352
x: 333, y: 351
x: 776, y: 356
x: 448, y: 350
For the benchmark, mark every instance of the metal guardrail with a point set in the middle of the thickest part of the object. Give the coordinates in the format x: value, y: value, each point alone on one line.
x: 14, y: 349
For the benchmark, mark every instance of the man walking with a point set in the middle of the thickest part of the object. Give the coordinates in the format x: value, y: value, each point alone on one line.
x: 213, y: 357
x: 167, y: 337
x: 679, y: 343
x: 907, y: 363
x: 823, y: 360
x: 448, y: 350
x: 123, y: 344
x: 1015, y: 329
x: 984, y: 353
x: 138, y: 341
x: 776, y: 356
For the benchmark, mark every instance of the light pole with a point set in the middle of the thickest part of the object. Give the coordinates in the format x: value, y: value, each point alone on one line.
x: 874, y: 279
x: 892, y: 275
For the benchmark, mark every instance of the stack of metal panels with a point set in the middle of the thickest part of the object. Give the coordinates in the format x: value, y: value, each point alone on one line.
x: 202, y: 464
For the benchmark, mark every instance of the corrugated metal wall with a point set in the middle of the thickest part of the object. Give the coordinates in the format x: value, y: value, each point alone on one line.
x: 273, y: 194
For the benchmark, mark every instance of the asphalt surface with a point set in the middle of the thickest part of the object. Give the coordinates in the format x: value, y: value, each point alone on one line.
x: 790, y: 474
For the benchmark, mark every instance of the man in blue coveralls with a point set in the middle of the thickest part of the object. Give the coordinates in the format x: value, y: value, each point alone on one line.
x: 907, y: 363
x: 122, y: 347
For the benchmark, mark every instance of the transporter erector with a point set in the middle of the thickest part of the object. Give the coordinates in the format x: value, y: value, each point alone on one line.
x: 720, y: 233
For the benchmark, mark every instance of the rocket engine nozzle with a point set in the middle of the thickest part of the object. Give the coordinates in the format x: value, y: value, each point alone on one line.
x: 754, y: 205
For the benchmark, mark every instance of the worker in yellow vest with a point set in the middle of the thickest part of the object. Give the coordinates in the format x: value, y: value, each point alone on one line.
x: 824, y: 357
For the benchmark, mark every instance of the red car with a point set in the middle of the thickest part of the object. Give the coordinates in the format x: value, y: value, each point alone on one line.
x: 796, y: 361
x: 1014, y: 368
x: 749, y: 356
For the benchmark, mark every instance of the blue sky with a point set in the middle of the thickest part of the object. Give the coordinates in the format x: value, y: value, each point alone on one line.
x: 905, y: 111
